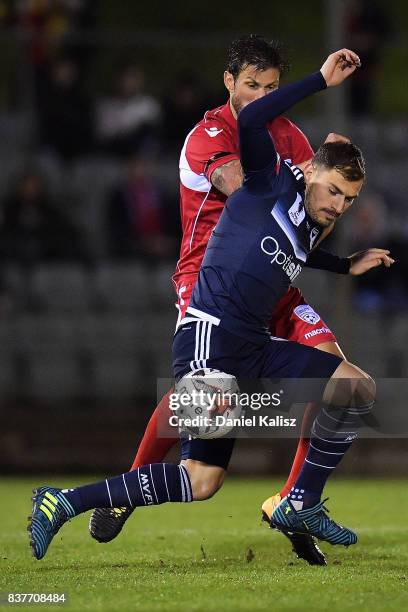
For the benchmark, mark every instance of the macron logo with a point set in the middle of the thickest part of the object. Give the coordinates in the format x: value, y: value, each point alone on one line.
x: 213, y: 131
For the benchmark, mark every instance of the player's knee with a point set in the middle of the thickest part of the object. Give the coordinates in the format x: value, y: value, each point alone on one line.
x: 363, y: 388
x: 367, y: 390
x: 350, y: 385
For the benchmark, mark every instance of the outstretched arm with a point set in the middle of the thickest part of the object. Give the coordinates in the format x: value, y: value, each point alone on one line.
x: 356, y: 264
x: 256, y: 146
x: 257, y: 149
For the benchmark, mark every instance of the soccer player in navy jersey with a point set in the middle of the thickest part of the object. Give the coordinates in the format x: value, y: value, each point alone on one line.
x: 265, y: 235
x: 210, y: 171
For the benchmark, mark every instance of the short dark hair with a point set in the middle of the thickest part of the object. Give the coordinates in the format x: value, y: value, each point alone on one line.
x: 345, y: 157
x: 255, y: 50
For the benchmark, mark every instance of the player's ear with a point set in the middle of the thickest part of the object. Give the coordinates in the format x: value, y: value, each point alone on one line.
x: 307, y: 168
x: 229, y: 81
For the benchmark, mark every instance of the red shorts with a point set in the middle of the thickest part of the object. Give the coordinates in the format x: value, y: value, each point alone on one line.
x: 293, y: 319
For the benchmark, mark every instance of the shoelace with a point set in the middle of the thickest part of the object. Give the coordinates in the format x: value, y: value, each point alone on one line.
x: 327, y: 523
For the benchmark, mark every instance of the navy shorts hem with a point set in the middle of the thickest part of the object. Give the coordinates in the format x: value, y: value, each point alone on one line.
x: 213, y: 452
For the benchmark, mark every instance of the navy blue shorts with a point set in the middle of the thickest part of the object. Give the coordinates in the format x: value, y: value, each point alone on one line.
x: 201, y: 344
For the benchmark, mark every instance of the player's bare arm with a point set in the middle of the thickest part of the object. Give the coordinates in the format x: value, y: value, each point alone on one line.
x: 228, y: 177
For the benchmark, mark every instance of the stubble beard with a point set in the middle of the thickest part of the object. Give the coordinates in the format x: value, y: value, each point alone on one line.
x: 236, y: 103
x: 314, y: 216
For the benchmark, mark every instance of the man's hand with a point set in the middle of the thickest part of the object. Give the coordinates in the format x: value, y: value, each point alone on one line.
x: 363, y: 261
x: 339, y: 66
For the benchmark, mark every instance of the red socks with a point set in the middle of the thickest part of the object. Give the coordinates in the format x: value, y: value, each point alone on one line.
x: 153, y: 449
x: 302, y: 448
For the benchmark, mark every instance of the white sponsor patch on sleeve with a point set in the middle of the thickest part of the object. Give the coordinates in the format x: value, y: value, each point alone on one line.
x: 307, y: 314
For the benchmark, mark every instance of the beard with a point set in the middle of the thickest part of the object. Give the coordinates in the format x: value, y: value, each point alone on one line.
x: 237, y: 103
x: 314, y: 215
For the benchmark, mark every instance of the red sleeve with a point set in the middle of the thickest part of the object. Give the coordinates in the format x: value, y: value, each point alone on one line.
x: 290, y: 141
x: 209, y: 146
x: 300, y: 147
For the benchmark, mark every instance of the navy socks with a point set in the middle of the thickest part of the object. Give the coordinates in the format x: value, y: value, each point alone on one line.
x: 149, y: 485
x: 332, y: 434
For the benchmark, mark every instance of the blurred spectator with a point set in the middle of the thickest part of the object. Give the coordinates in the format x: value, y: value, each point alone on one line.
x: 369, y: 222
x: 371, y: 226
x: 33, y: 230
x: 367, y: 28
x: 49, y: 27
x: 140, y: 219
x: 185, y: 104
x: 65, y: 112
x: 127, y: 121
x: 50, y: 23
x: 82, y: 17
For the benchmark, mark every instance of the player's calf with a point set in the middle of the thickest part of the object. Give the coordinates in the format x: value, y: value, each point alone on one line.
x: 205, y: 479
x: 349, y: 398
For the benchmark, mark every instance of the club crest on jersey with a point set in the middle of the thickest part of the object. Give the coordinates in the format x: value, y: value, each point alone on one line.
x: 313, y: 235
x: 307, y: 314
x: 297, y: 211
x: 270, y: 246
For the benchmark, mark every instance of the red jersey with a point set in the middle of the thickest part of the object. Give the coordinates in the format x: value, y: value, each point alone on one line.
x: 213, y: 142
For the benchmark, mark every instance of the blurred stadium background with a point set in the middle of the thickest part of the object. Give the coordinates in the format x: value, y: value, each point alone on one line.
x: 96, y: 98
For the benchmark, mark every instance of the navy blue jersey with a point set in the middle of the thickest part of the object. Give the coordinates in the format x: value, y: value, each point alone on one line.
x: 264, y: 234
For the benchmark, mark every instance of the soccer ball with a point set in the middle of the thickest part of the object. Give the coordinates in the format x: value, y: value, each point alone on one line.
x: 208, y: 402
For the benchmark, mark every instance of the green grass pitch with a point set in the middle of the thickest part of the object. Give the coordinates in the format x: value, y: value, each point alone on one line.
x: 214, y: 555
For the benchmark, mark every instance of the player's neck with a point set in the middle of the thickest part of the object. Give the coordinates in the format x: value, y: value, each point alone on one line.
x: 303, y: 165
x: 232, y: 109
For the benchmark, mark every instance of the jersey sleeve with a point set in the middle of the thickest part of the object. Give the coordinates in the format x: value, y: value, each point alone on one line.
x: 209, y: 146
x: 323, y: 260
x: 257, y: 149
x: 300, y: 148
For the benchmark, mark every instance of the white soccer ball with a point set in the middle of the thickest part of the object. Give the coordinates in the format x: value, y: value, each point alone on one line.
x: 207, y: 403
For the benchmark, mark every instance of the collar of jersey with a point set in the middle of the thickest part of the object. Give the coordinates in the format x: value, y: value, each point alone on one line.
x: 227, y: 115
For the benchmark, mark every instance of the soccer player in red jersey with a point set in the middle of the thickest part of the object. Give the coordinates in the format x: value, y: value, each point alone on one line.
x: 210, y: 170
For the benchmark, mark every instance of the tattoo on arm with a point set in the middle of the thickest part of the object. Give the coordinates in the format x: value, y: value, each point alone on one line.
x: 228, y: 178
